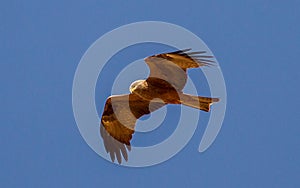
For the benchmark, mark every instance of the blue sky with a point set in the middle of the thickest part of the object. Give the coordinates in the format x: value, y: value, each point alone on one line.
x: 256, y: 43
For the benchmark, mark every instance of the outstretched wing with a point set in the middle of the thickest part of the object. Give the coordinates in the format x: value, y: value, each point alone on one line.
x: 172, y: 66
x: 118, y: 121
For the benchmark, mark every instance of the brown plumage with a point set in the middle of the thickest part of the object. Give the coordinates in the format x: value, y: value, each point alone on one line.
x: 163, y: 86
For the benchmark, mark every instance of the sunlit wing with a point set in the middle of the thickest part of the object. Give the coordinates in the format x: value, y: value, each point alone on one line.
x: 172, y: 66
x: 118, y: 121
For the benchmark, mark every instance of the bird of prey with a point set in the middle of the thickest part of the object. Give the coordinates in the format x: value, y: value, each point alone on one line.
x: 168, y: 76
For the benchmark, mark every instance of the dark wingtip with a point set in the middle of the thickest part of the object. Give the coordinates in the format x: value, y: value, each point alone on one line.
x: 203, y: 60
x: 128, y: 147
x: 180, y: 51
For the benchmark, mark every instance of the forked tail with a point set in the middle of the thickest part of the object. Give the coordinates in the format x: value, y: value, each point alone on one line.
x: 201, y: 103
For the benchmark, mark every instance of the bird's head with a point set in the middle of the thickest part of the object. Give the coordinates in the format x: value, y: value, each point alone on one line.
x: 136, y: 84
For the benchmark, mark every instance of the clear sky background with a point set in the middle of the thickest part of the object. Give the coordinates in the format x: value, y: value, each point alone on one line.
x: 257, y: 44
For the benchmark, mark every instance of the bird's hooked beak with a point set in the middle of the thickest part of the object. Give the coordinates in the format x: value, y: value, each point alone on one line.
x: 131, y: 89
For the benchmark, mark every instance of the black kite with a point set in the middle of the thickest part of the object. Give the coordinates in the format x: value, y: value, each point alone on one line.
x: 163, y: 86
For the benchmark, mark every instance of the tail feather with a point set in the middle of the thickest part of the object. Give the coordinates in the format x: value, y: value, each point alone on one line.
x: 201, y: 103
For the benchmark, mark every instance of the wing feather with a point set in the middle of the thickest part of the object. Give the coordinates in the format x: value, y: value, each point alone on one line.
x: 172, y: 66
x: 118, y: 122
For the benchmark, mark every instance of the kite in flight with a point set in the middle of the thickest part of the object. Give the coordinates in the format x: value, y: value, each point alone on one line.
x: 164, y: 86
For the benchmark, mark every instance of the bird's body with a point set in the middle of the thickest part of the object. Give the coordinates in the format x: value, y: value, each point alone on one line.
x: 156, y: 88
x: 163, y: 86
